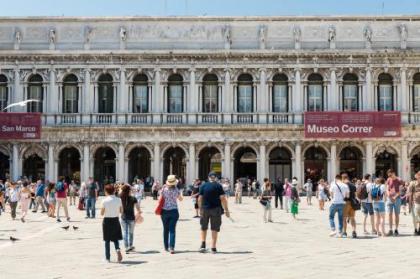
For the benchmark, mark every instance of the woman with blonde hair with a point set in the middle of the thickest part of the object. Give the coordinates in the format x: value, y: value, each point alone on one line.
x: 170, y: 214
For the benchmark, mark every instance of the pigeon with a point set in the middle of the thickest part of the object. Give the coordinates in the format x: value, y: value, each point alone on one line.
x: 66, y: 227
x: 13, y: 239
x: 22, y: 104
x: 75, y: 228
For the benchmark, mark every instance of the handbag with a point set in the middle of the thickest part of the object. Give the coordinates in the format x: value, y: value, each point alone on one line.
x: 161, y: 202
x: 263, y: 202
x: 355, y: 204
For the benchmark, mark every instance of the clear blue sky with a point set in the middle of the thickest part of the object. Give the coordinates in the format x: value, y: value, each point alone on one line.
x: 206, y: 7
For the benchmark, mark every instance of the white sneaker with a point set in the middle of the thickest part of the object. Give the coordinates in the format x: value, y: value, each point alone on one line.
x: 333, y: 233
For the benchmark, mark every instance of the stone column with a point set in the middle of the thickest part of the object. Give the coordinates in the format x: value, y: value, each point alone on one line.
x: 17, y: 92
x: 51, y: 176
x: 332, y: 96
x: 123, y: 97
x: 227, y: 97
x: 227, y: 162
x: 404, y: 96
x: 157, y: 99
x: 53, y: 94
x: 262, y: 173
x: 88, y: 98
x: 298, y: 163
x: 16, y: 161
x: 85, y: 173
x: 192, y: 98
x: 262, y: 97
x: 404, y: 163
x: 332, y: 170
x: 370, y: 160
x: 368, y: 98
x: 191, y: 164
x: 120, y: 162
x: 297, y: 98
x: 156, y: 162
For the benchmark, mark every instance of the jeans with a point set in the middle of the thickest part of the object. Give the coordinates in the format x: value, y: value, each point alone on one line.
x: 278, y: 197
x: 335, y: 207
x: 169, y: 220
x: 90, y: 207
x: 108, y: 248
x: 128, y: 227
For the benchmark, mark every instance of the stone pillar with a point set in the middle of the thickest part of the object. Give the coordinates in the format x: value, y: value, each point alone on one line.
x: 122, y: 97
x: 262, y: 170
x: 17, y: 93
x: 88, y: 98
x: 370, y: 160
x: 85, y: 173
x: 157, y: 99
x: 192, y: 98
x: 156, y: 162
x: 404, y: 163
x: 404, y: 96
x: 368, y: 98
x: 332, y: 96
x: 332, y: 170
x: 51, y: 176
x: 16, y: 161
x: 228, y: 99
x: 52, y: 94
x: 297, y: 98
x: 191, y: 164
x: 262, y: 97
x: 120, y: 162
x: 298, y: 163
x: 227, y: 172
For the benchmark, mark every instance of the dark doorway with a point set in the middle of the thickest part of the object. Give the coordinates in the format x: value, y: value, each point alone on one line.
x: 138, y: 164
x: 280, y: 164
x: 415, y: 164
x: 69, y: 164
x: 174, y: 162
x: 34, y: 168
x: 384, y: 162
x: 210, y: 160
x: 351, y: 162
x: 315, y: 164
x: 4, y: 166
x: 245, y: 163
x: 104, y: 166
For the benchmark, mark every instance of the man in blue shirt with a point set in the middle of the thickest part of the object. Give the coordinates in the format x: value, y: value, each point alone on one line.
x: 39, y: 196
x: 211, y: 202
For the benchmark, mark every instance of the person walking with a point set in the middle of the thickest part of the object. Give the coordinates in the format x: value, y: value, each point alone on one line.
x: 111, y: 228
x: 39, y: 196
x: 31, y: 187
x: 394, y: 201
x: 194, y: 197
x: 265, y: 200
x: 278, y: 193
x: 349, y: 211
x: 138, y: 190
x: 413, y: 196
x: 294, y: 201
x: 83, y: 194
x: 212, y: 203
x: 155, y: 189
x: 308, y: 189
x: 13, y: 193
x: 72, y: 192
x: 363, y: 194
x: 339, y: 191
x: 287, y: 195
x: 62, y: 188
x: 238, y: 191
x: 51, y: 198
x: 226, y: 187
x: 170, y: 214
x: 378, y: 196
x: 24, y: 199
x: 92, y: 197
x: 128, y: 218
x: 322, y: 190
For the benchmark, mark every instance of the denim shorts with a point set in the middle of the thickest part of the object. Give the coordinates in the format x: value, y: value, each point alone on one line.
x: 394, y: 206
x: 379, y: 207
x: 367, y: 208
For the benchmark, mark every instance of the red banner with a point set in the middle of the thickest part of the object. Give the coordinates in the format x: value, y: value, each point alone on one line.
x: 381, y: 124
x: 20, y: 125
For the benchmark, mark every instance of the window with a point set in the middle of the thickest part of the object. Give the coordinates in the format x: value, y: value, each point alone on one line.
x: 245, y: 93
x: 416, y: 93
x: 70, y: 94
x: 210, y: 93
x: 35, y: 92
x: 315, y: 98
x: 140, y: 94
x: 3, y: 92
x: 280, y: 94
x: 350, y: 93
x: 175, y: 94
x: 105, y: 94
x: 385, y: 93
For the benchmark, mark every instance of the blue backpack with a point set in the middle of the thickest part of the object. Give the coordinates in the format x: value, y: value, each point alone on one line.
x: 59, y: 187
x: 376, y: 193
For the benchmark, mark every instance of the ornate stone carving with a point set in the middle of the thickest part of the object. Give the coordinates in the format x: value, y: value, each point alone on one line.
x: 123, y: 34
x: 331, y: 36
x: 403, y: 35
x: 227, y: 36
x: 52, y: 38
x: 18, y: 39
x: 367, y: 33
x: 263, y: 36
x: 297, y: 36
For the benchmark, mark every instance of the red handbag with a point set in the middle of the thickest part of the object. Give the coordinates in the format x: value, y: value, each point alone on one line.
x: 158, y: 210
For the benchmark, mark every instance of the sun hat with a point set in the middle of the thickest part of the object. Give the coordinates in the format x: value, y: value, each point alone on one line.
x: 171, y: 180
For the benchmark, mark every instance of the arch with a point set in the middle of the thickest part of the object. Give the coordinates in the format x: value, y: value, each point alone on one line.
x: 280, y: 145
x: 280, y: 93
x: 175, y: 78
x: 385, y: 77
x: 245, y: 162
x: 219, y: 75
x: 315, y: 163
x: 166, y: 147
x: 105, y: 93
x: 416, y: 78
x: 350, y: 77
x: 140, y: 78
x: 201, y: 147
x: 317, y: 145
x: 175, y: 162
x: 35, y: 78
x: 105, y: 77
x: 139, y: 163
x: 70, y: 78
x: 69, y: 163
x: 210, y: 77
x: 242, y: 145
x: 280, y: 163
x: 5, y: 150
x: 33, y: 167
x: 359, y: 147
x: 210, y: 94
x: 315, y: 77
x: 132, y: 146
x: 209, y: 160
x: 245, y: 78
x: 33, y: 149
x: 351, y: 161
x: 390, y: 149
x: 280, y: 77
x: 104, y: 165
x: 140, y: 93
x: 94, y: 148
x: 60, y: 148
x: 3, y: 78
x: 385, y: 161
x: 4, y: 164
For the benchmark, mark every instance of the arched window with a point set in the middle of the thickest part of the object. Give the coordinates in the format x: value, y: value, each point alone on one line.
x: 280, y: 93
x: 416, y: 92
x: 140, y: 94
x: 315, y: 98
x: 210, y: 93
x: 105, y: 94
x: 3, y: 92
x: 245, y: 93
x: 350, y: 93
x: 175, y: 94
x: 35, y: 92
x: 70, y: 94
x: 385, y: 93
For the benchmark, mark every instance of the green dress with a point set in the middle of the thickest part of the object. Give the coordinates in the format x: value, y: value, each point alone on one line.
x: 294, y: 208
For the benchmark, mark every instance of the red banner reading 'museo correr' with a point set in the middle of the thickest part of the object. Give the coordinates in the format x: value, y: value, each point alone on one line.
x: 379, y: 124
x: 20, y: 125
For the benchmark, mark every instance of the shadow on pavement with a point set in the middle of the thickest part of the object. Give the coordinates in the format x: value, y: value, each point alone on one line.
x: 146, y: 252
x: 133, y: 262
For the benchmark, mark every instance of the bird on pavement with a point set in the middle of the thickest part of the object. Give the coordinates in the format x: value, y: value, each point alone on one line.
x: 75, y: 228
x: 22, y: 104
x: 13, y: 239
x: 66, y: 227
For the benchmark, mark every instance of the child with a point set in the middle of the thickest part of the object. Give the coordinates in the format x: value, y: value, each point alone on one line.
x: 295, y: 201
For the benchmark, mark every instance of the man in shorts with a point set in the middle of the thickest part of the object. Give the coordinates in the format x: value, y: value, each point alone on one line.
x: 211, y: 201
x: 349, y: 213
x: 393, y: 203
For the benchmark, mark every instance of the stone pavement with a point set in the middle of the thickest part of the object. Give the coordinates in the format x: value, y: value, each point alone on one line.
x: 248, y: 248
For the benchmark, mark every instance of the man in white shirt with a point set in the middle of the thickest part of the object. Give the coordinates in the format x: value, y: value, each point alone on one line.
x: 339, y: 191
x: 138, y: 190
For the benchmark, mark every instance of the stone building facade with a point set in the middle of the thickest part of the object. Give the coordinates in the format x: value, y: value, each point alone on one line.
x: 145, y: 96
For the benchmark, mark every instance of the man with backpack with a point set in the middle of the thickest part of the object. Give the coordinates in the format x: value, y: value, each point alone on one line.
x: 394, y: 200
x: 339, y: 191
x: 92, y: 196
x: 362, y: 194
x: 61, y: 189
x: 414, y: 202
x: 352, y: 204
